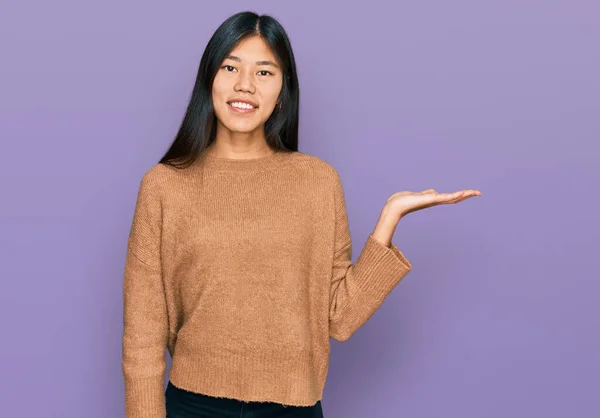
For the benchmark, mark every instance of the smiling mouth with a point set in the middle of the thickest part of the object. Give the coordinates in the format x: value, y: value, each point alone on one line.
x: 241, y: 107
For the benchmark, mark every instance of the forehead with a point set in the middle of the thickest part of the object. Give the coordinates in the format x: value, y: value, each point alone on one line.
x: 253, y: 49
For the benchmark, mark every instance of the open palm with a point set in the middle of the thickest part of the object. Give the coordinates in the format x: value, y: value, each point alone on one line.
x: 403, y: 203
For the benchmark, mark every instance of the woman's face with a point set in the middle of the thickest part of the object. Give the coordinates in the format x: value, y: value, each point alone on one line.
x: 251, y: 74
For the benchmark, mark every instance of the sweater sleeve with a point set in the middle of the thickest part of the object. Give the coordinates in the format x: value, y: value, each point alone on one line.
x: 357, y: 290
x: 145, y: 331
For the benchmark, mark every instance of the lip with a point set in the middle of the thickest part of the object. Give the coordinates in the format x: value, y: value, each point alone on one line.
x: 238, y: 110
x: 250, y: 102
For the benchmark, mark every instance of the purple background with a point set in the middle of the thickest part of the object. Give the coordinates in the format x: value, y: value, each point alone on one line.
x: 500, y: 315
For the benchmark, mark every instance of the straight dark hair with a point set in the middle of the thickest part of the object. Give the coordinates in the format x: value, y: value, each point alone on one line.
x: 198, y: 128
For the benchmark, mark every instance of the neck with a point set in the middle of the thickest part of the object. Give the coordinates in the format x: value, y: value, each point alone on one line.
x: 239, y: 145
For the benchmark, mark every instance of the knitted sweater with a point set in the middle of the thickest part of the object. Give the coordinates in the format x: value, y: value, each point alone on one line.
x: 242, y: 270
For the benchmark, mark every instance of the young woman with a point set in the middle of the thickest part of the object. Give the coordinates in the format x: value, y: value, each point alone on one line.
x: 239, y: 255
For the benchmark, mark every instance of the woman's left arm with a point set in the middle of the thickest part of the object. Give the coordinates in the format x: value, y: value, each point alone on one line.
x: 358, y: 289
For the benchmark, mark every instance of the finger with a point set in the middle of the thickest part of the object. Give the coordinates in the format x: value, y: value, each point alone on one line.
x: 466, y: 195
x: 472, y: 192
x: 450, y: 197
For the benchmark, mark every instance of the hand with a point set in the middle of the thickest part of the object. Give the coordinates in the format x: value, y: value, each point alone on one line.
x: 402, y: 203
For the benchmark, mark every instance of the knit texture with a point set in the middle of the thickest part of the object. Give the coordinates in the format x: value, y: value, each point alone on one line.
x: 242, y: 270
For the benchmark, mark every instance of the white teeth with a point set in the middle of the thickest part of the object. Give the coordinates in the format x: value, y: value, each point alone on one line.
x: 241, y: 105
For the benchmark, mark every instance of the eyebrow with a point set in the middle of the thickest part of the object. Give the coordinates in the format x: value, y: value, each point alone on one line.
x: 271, y: 63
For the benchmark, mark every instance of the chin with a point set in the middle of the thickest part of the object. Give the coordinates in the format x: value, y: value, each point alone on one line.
x: 241, y: 127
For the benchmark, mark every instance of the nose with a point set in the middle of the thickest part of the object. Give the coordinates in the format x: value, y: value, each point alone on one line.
x: 244, y: 82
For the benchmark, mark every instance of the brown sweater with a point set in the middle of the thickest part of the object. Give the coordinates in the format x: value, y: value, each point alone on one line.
x: 242, y: 269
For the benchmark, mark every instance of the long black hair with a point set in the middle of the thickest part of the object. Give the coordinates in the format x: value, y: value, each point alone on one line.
x: 198, y: 128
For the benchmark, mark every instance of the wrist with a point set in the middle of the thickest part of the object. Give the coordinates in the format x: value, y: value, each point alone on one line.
x: 390, y: 215
x: 384, y: 230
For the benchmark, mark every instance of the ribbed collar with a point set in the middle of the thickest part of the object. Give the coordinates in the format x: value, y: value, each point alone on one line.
x: 269, y: 162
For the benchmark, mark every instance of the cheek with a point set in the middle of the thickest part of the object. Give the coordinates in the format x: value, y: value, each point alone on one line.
x: 216, y: 96
x: 219, y: 100
x: 219, y: 88
x: 276, y: 91
x: 271, y: 95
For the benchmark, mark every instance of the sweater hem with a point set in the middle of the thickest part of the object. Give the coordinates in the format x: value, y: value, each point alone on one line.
x: 257, y: 377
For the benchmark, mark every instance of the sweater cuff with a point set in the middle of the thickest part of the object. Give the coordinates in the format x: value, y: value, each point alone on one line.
x: 387, y: 265
x: 145, y: 398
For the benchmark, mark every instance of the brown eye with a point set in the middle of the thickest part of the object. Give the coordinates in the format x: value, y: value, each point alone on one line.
x: 228, y: 66
x: 265, y: 71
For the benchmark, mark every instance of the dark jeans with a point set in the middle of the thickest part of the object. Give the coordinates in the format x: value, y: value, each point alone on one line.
x: 183, y: 404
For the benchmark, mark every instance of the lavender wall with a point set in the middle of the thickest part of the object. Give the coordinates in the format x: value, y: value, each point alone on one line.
x: 499, y: 316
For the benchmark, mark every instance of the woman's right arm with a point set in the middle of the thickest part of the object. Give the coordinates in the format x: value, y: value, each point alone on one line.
x: 145, y: 322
